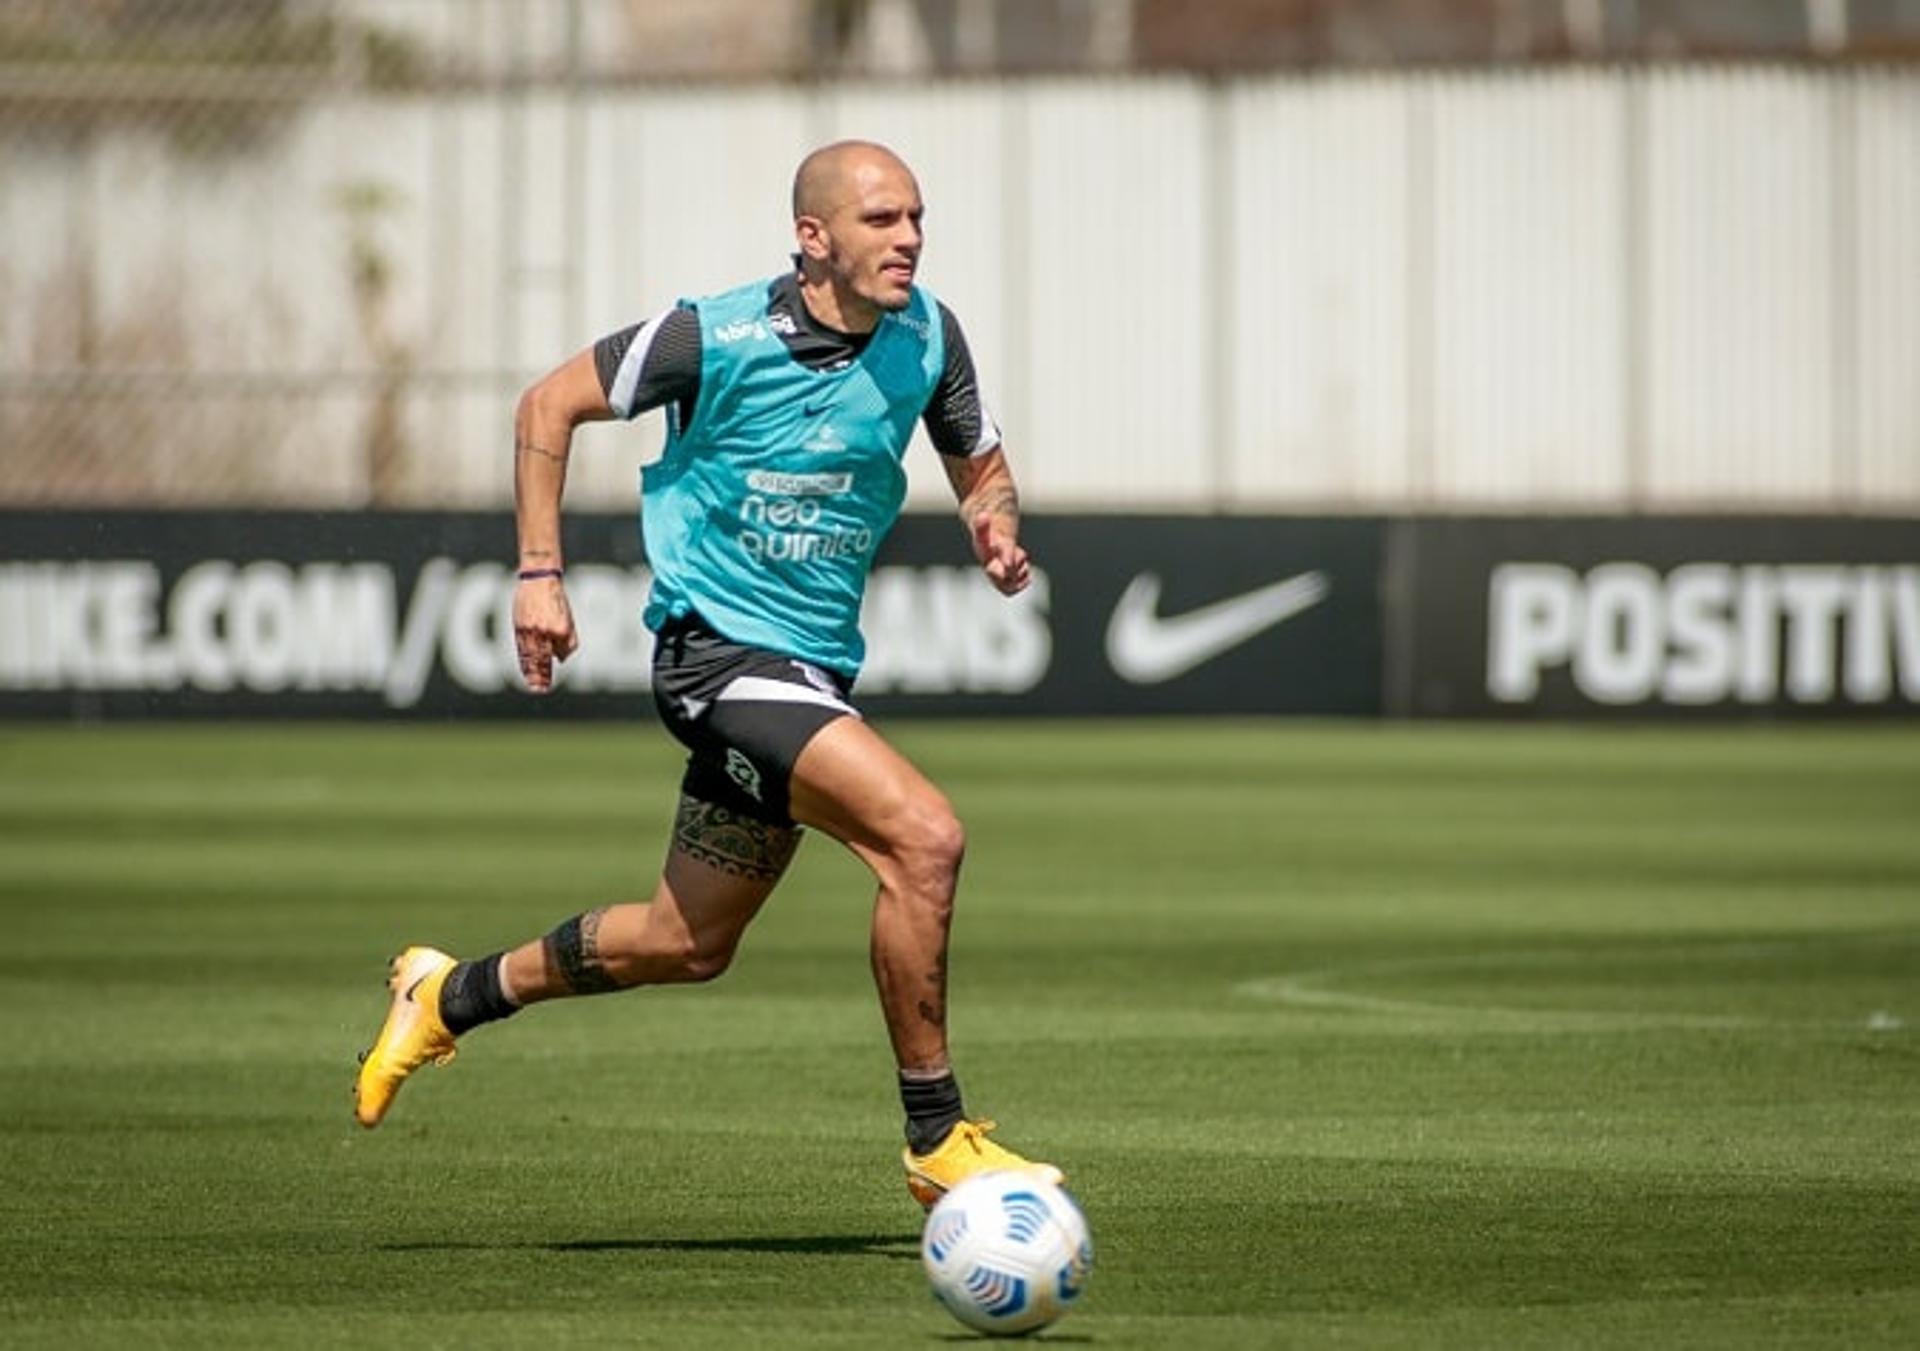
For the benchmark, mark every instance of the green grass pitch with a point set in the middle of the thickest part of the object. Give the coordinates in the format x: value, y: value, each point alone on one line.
x: 1349, y: 1036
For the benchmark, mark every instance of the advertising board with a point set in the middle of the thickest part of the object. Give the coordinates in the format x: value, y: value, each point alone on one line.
x: 349, y: 614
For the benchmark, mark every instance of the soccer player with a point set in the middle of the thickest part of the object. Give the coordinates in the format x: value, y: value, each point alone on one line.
x: 789, y: 406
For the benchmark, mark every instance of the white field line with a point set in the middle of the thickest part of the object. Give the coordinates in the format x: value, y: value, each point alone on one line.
x: 1314, y: 989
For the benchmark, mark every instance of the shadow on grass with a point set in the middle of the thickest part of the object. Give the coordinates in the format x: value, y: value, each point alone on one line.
x: 900, y: 1247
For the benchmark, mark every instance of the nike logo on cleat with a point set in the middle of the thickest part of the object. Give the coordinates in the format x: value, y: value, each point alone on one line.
x: 411, y: 988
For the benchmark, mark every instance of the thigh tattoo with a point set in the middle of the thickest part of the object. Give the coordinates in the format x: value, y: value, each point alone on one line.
x: 735, y: 844
x: 573, y: 951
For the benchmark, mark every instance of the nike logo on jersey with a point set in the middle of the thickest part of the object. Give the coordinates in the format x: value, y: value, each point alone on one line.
x: 1146, y: 649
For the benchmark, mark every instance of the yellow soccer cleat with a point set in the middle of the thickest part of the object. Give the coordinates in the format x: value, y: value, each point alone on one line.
x: 412, y: 1036
x: 964, y: 1152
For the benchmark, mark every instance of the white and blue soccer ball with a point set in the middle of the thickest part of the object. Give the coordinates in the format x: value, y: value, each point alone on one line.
x: 1006, y: 1252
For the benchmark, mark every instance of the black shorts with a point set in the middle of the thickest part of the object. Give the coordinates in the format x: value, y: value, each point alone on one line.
x: 743, y: 713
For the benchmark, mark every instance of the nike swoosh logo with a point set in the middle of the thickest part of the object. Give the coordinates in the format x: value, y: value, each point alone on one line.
x: 1147, y: 649
x: 810, y: 411
x: 411, y: 988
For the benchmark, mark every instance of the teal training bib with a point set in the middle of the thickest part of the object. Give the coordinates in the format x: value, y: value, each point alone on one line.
x: 764, y: 511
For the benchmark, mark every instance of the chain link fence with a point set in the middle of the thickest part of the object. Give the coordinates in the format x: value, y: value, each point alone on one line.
x: 213, y: 282
x: 200, y: 299
x: 131, y: 369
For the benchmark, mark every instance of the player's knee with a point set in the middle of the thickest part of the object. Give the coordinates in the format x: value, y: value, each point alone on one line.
x: 703, y: 961
x: 686, y: 963
x: 928, y: 846
x: 672, y: 954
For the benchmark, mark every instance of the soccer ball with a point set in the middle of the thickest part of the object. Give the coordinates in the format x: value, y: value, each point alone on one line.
x: 1006, y: 1252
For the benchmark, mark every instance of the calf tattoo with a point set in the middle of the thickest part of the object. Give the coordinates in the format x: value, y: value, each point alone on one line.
x: 933, y: 1011
x: 573, y: 952
x: 735, y: 844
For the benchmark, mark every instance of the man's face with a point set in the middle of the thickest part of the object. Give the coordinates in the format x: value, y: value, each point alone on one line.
x: 872, y: 238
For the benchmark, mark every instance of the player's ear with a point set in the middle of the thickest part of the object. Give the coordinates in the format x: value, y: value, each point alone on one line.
x: 811, y: 234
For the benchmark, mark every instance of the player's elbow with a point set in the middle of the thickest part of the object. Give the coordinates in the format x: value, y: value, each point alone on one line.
x: 552, y: 406
x: 541, y: 410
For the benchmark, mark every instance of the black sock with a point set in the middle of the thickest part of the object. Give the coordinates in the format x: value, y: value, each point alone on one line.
x: 933, y: 1109
x: 472, y: 996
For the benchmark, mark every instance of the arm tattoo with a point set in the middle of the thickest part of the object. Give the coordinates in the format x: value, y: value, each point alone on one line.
x: 997, y: 501
x: 573, y: 953
x: 737, y: 845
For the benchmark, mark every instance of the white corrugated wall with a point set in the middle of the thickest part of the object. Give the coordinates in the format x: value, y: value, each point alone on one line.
x: 1315, y: 292
x: 1528, y: 354
x: 1593, y: 289
x: 1739, y: 298
x: 1881, y: 379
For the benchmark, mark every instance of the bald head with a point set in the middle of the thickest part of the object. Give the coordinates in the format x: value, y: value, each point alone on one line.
x: 856, y: 218
x: 834, y: 175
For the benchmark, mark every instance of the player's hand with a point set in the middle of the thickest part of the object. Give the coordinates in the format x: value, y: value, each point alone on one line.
x: 543, y: 630
x: 1000, y: 554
